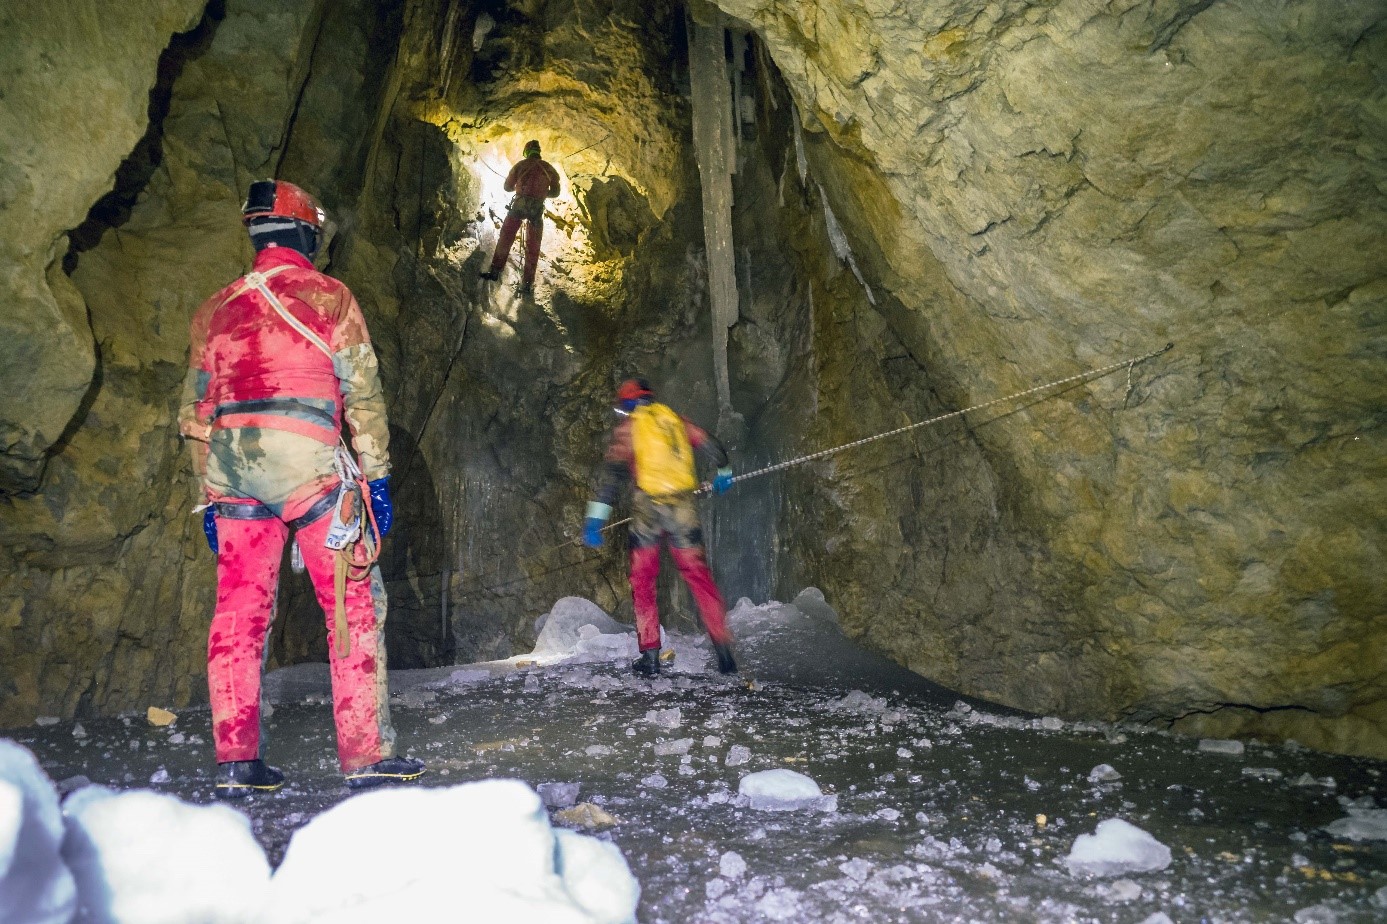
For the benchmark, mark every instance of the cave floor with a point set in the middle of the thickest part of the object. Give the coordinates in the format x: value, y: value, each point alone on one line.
x: 937, y: 803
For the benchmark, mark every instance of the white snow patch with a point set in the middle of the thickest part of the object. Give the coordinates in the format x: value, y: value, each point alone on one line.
x: 1116, y: 847
x: 667, y: 748
x: 596, y: 875
x: 858, y: 702
x: 487, y: 845
x: 1361, y: 824
x: 1221, y: 746
x: 665, y: 718
x: 1103, y: 773
x: 782, y: 790
x: 737, y: 755
x: 147, y: 858
x: 731, y: 865
x: 575, y: 626
x: 35, y: 886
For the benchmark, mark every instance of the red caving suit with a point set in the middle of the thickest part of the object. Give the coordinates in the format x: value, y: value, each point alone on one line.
x: 670, y: 517
x: 262, y: 409
x: 532, y: 180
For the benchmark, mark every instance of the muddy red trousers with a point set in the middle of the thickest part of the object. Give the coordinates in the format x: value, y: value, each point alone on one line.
x: 247, y: 578
x: 533, y: 233
x: 693, y: 567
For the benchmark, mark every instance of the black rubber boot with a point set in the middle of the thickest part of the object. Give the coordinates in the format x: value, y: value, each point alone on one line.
x: 648, y: 663
x: 390, y: 770
x: 726, y: 663
x: 237, y: 779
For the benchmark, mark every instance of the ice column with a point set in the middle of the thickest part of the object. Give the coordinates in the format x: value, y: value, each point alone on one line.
x: 714, y: 145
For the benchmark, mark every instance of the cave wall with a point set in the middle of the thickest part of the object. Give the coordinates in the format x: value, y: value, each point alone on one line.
x: 1043, y: 188
x: 106, y: 584
x: 935, y: 205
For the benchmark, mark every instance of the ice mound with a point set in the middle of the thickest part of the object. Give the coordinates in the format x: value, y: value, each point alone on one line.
x: 561, y: 630
x: 148, y: 858
x: 1363, y: 822
x: 1115, y: 848
x: 783, y: 790
x: 35, y: 886
x: 484, y: 849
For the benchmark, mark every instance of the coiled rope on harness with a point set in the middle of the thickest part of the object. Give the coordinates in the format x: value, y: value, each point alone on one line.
x: 1090, y: 374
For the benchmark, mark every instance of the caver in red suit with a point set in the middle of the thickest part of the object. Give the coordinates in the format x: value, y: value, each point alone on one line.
x: 279, y: 359
x: 532, y: 180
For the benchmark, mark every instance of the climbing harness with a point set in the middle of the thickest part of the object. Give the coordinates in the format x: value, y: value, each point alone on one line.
x: 353, y: 535
x: 706, y: 488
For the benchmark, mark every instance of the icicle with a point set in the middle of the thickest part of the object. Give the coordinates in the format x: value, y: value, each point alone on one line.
x: 801, y: 162
x: 841, y: 249
x: 712, y: 130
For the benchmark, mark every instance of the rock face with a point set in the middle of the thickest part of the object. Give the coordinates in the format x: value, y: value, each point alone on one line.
x: 59, y: 151
x: 1043, y: 189
x: 933, y: 207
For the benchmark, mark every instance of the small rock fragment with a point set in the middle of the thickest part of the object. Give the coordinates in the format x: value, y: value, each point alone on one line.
x: 586, y: 815
x: 160, y: 717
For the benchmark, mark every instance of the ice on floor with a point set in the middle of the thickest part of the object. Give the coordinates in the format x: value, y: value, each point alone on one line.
x: 782, y: 790
x: 1363, y: 823
x: 1115, y: 848
x: 485, y: 849
x: 1103, y: 773
x: 1221, y: 746
x: 35, y: 886
x: 575, y: 626
x: 147, y: 858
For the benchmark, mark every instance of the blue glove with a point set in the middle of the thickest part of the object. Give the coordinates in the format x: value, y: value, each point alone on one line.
x: 723, y: 481
x: 209, y: 527
x: 380, y: 504
x: 592, y: 532
x: 597, y: 515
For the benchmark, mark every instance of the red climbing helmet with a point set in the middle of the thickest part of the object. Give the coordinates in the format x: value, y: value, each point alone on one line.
x: 281, y: 199
x: 634, y: 390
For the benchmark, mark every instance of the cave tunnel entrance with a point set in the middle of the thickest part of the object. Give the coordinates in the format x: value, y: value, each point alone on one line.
x: 501, y: 399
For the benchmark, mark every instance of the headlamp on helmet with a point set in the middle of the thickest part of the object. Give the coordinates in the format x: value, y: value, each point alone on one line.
x: 278, y: 213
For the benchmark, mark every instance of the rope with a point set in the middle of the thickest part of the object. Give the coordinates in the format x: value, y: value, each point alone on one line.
x: 1092, y: 373
x: 801, y: 460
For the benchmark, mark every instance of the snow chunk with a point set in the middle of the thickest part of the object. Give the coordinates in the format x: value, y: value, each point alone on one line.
x: 1114, y: 848
x: 1220, y: 746
x: 148, y: 858
x: 782, y: 790
x: 779, y: 905
x: 1103, y: 773
x: 665, y: 718
x: 737, y: 755
x: 559, y: 795
x: 731, y: 865
x: 667, y: 748
x: 1361, y: 824
x: 489, y: 842
x: 858, y: 702
x: 596, y: 875
x: 572, y: 624
x: 35, y: 886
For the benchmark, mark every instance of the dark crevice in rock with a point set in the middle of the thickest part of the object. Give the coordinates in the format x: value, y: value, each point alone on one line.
x: 1166, y: 33
x: 113, y: 209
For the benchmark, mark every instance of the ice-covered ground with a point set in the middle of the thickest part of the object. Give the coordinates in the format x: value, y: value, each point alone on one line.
x: 902, y: 802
